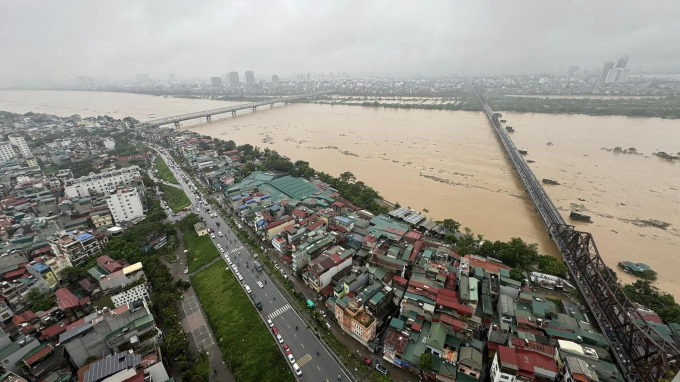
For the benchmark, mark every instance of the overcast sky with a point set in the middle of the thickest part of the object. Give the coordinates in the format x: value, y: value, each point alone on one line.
x: 64, y: 39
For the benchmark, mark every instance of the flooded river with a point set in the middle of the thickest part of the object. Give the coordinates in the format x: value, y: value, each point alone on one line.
x: 450, y: 164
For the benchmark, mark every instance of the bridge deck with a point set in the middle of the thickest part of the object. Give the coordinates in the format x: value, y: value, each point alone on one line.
x: 228, y: 109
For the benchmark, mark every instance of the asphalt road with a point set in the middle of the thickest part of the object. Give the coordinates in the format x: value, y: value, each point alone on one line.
x: 302, y: 342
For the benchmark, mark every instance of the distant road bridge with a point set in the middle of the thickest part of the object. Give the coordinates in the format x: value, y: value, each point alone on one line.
x: 641, y: 352
x: 230, y: 109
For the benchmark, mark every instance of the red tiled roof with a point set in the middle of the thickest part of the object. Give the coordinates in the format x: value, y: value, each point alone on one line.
x: 416, y: 249
x: 29, y: 315
x: 139, y: 377
x: 66, y: 299
x: 299, y: 213
x: 52, y: 331
x: 316, y: 225
x: 121, y: 309
x: 507, y: 355
x: 279, y: 222
x: 327, y: 290
x: 75, y: 324
x: 457, y: 324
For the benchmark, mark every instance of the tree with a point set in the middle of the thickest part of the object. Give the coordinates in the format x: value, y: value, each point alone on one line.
x: 39, y: 300
x: 551, y: 266
x: 450, y: 224
x: 426, y: 362
x: 347, y: 177
x: 517, y: 274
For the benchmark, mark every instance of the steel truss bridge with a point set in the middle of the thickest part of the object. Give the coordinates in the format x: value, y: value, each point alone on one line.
x: 641, y: 352
x: 230, y: 109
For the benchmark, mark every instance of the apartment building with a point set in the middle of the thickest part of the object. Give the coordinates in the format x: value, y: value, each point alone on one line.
x: 77, y: 247
x: 103, y: 183
x: 20, y: 142
x: 131, y: 295
x: 6, y: 152
x: 125, y: 205
x: 355, y: 320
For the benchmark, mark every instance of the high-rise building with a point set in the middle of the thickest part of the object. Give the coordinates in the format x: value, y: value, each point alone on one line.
x: 275, y: 80
x: 20, y: 142
x: 143, y: 78
x: 216, y: 81
x: 573, y: 70
x: 605, y: 70
x: 233, y: 80
x: 6, y: 152
x: 125, y: 205
x: 616, y: 76
x: 250, y: 78
x: 622, y: 62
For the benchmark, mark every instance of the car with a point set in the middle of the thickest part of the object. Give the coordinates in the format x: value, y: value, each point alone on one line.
x: 186, y: 270
x: 221, y: 250
x: 220, y: 233
x: 248, y: 289
x: 233, y: 266
x: 229, y: 261
x: 323, y: 314
x: 286, y: 349
x: 240, y: 278
x: 367, y: 361
x: 291, y: 358
x: 381, y: 369
x: 258, y: 305
x: 212, y: 235
x: 270, y: 323
x: 278, y: 337
x: 274, y: 330
x: 259, y: 283
x: 297, y: 369
x: 212, y: 229
x: 276, y: 266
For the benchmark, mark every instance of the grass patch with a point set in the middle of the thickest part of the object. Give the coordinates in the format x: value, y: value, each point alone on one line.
x: 247, y: 347
x: 164, y: 171
x: 176, y: 198
x: 201, y: 249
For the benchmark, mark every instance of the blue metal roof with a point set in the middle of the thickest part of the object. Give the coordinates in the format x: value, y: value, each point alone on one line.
x: 250, y: 201
x: 342, y: 220
x: 275, y: 207
x: 265, y: 197
x: 243, y: 207
x: 40, y: 267
x: 84, y: 236
x: 261, y: 223
x: 237, y: 197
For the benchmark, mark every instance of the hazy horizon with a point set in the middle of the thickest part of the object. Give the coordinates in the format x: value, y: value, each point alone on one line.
x: 210, y: 38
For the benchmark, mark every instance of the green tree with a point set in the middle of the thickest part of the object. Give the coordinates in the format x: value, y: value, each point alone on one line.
x: 426, y: 362
x: 517, y: 274
x: 39, y: 300
x: 551, y: 266
x: 450, y: 224
x: 347, y: 177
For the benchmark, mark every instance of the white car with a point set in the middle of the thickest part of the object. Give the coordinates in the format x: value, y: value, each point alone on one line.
x: 270, y: 323
x: 233, y: 266
x: 212, y: 235
x: 220, y: 233
x: 297, y: 369
x: 186, y: 270
x: 248, y: 290
x: 259, y: 283
x: 221, y: 250
x: 278, y: 337
x: 291, y: 358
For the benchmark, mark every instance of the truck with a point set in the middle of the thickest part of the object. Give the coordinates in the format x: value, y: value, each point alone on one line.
x: 257, y: 265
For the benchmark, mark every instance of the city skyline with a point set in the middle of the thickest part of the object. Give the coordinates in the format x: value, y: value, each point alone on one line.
x: 304, y: 37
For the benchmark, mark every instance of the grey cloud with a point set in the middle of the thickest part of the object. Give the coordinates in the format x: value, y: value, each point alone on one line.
x: 210, y: 37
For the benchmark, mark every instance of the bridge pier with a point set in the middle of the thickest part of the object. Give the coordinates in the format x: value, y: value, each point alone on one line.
x: 254, y: 108
x: 207, y: 118
x: 271, y: 105
x: 177, y: 125
x: 233, y: 113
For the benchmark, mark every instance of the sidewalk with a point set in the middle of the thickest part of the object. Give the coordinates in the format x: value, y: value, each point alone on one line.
x: 194, y: 321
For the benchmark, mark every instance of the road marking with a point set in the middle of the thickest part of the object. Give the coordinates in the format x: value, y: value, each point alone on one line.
x: 295, y: 335
x: 277, y: 312
x: 302, y: 361
x: 288, y: 326
x: 303, y: 345
x: 316, y: 367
